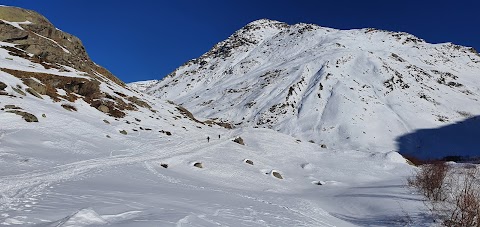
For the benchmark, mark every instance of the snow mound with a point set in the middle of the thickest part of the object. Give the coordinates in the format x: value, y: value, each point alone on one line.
x: 395, y: 157
x: 83, y: 217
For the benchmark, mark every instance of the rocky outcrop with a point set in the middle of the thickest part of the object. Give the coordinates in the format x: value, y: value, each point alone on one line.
x: 75, y: 88
x: 28, y: 117
x: 34, y: 34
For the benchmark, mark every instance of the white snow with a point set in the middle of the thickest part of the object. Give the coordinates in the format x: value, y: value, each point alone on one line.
x: 142, y: 85
x: 52, y: 170
x: 358, y: 89
x: 75, y: 168
x: 9, y: 61
x: 51, y: 40
x: 16, y: 24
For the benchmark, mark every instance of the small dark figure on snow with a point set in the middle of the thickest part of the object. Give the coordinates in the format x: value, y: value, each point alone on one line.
x: 219, y: 136
x: 208, y: 138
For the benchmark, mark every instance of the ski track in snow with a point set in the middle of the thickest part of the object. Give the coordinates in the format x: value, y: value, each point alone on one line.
x: 22, y: 191
x: 313, y: 221
x: 18, y: 187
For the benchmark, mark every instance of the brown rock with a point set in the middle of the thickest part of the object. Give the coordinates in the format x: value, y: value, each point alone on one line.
x: 239, y: 140
x: 35, y: 85
x: 2, y: 86
x: 19, y: 91
x: 13, y: 107
x: 34, y: 93
x: 103, y: 108
x: 277, y: 175
x: 28, y: 117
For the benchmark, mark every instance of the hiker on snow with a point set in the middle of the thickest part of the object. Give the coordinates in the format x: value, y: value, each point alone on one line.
x: 208, y: 138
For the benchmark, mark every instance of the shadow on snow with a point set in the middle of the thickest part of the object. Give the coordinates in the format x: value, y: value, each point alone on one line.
x: 455, y: 142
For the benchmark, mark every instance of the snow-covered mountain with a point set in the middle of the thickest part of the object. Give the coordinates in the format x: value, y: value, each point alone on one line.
x: 347, y: 89
x: 142, y: 86
x: 79, y: 148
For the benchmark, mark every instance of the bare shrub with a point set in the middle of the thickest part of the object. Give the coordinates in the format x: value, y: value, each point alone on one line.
x: 452, y: 193
x: 464, y: 207
x: 430, y: 180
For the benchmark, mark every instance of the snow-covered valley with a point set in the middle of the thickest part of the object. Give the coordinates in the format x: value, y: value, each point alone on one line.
x: 78, y: 147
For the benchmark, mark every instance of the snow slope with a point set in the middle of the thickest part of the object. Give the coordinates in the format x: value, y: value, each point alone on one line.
x: 143, y: 85
x: 348, y: 89
x: 81, y: 165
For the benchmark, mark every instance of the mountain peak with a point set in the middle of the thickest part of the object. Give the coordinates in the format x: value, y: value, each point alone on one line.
x: 325, y: 85
x: 265, y: 23
x: 16, y: 14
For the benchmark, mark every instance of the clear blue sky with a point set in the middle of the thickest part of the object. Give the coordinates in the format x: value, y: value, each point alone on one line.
x: 147, y: 39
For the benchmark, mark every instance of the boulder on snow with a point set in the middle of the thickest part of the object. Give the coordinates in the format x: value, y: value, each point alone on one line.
x: 276, y: 174
x: 248, y: 161
x: 239, y: 140
x: 28, y: 117
x: 2, y: 86
x: 123, y: 132
x: 69, y: 107
x: 166, y: 132
x: 198, y: 165
x: 13, y: 107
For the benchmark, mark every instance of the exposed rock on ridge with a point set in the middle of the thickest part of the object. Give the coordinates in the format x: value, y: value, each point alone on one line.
x: 34, y: 34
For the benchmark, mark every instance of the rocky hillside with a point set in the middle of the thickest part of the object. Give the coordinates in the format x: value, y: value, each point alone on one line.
x: 346, y: 89
x: 40, y: 60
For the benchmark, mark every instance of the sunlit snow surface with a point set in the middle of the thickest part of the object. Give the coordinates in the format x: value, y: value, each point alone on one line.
x: 75, y: 176
x: 358, y: 89
x: 64, y: 171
